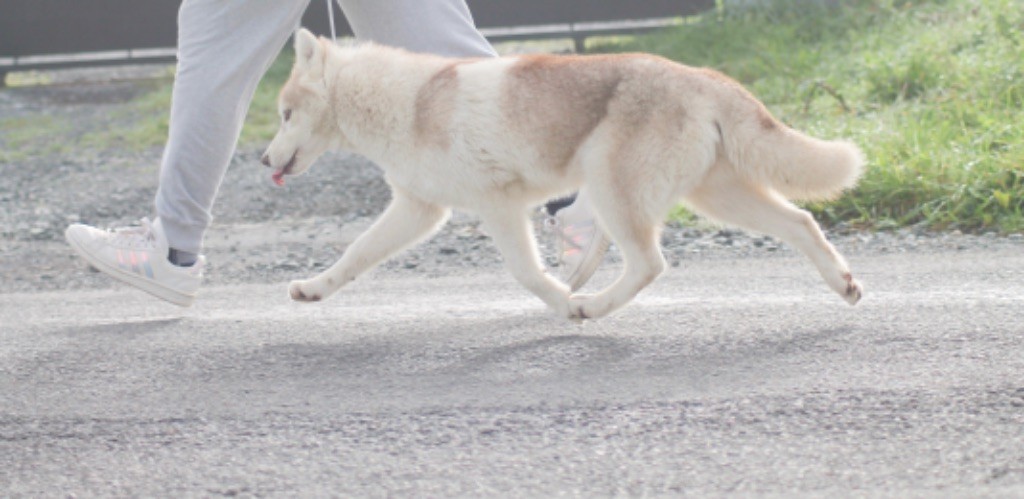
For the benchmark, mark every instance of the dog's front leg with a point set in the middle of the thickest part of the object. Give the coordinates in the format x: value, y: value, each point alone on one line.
x: 406, y: 221
x: 512, y: 232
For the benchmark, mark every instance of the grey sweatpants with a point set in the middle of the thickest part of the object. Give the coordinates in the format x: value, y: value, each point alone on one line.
x: 225, y: 46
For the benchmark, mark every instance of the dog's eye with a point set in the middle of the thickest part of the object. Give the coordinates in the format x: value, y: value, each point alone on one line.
x: 287, y: 114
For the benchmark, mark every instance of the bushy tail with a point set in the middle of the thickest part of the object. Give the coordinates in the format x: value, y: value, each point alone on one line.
x: 798, y: 166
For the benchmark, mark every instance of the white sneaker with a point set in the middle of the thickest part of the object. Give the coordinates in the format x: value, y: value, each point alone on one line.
x: 581, y: 244
x: 138, y: 256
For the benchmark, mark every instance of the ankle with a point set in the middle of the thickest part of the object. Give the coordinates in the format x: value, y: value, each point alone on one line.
x: 182, y: 258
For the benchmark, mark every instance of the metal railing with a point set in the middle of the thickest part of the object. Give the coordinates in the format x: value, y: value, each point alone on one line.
x: 37, y: 34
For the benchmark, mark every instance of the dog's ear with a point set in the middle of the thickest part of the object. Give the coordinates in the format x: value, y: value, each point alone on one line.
x: 307, y: 49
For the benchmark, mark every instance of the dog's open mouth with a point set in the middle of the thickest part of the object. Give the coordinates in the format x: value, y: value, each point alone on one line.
x: 278, y: 176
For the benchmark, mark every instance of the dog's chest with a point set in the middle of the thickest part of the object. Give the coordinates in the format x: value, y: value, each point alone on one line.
x: 453, y: 182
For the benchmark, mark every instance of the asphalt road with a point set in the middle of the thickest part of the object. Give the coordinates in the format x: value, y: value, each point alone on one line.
x: 725, y: 377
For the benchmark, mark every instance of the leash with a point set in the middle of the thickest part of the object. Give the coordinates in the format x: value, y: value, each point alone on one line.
x: 330, y: 16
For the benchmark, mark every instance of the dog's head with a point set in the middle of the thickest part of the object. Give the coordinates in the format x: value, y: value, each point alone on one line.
x: 307, y: 127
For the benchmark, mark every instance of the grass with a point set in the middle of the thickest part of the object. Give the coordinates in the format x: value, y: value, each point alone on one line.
x: 141, y: 124
x: 933, y: 91
x: 25, y: 137
x: 150, y: 131
x: 262, y: 122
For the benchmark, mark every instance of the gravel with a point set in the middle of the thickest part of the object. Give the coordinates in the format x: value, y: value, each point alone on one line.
x: 266, y: 234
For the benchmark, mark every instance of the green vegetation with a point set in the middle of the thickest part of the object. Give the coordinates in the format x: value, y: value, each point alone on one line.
x: 262, y: 121
x: 140, y: 124
x: 933, y: 91
x: 25, y: 137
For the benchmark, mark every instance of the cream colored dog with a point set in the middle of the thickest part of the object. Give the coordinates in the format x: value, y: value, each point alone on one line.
x: 498, y: 136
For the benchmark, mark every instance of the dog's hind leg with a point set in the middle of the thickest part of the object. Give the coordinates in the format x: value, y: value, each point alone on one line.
x: 512, y: 232
x: 726, y: 197
x: 406, y: 221
x: 626, y: 220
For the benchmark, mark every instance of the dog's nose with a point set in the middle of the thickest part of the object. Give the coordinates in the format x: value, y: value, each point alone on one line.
x: 265, y: 159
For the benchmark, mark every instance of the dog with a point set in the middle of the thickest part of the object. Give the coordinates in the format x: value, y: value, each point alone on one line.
x: 498, y: 136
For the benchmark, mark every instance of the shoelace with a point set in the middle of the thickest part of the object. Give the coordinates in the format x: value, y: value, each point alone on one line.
x: 135, y: 237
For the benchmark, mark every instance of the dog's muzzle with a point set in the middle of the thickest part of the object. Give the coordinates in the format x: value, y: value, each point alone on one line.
x: 278, y: 176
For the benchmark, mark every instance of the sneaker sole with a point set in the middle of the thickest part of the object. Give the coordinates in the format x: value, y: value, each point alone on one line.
x: 162, y: 292
x: 591, y: 262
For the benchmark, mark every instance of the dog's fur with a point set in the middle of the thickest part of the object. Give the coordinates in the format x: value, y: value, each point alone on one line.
x: 497, y: 136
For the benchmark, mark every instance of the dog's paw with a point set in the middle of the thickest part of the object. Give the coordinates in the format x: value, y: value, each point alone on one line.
x: 299, y: 291
x: 583, y: 307
x: 578, y: 307
x: 854, y: 291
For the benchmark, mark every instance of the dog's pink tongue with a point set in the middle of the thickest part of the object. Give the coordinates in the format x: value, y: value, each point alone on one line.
x: 278, y: 178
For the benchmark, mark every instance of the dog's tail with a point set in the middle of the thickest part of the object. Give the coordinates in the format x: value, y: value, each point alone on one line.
x: 796, y: 165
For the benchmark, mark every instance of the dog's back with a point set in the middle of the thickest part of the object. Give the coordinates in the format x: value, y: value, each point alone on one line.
x: 546, y: 113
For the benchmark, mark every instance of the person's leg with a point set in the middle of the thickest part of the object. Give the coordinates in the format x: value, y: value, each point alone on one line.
x: 442, y: 27
x: 224, y: 47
